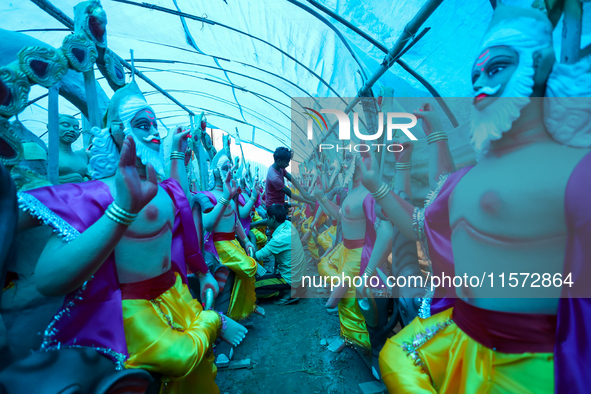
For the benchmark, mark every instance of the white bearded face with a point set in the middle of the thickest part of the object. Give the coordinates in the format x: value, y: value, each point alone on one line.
x: 503, y: 79
x: 139, y: 121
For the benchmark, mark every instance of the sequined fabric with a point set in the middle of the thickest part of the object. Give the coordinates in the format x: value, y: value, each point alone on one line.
x: 435, y: 356
x: 63, y: 229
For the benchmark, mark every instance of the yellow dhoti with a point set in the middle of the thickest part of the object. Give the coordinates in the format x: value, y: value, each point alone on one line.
x: 448, y: 361
x: 173, y: 336
x: 353, y: 328
x: 312, y: 246
x: 243, y: 299
x: 262, y: 229
x: 261, y: 238
x: 329, y: 264
x: 325, y: 239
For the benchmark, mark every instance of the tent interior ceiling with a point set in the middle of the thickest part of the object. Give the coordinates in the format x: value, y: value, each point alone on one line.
x: 243, y: 68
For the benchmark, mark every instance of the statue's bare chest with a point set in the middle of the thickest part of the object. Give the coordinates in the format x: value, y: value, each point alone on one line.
x: 158, y: 214
x: 352, y: 207
x: 520, y: 196
x: 229, y: 211
x: 72, y: 162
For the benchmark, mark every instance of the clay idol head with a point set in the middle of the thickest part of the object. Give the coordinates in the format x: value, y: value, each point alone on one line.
x: 130, y: 114
x: 220, y: 167
x: 514, y: 63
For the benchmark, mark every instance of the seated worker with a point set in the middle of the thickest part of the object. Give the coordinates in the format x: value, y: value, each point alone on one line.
x: 290, y: 262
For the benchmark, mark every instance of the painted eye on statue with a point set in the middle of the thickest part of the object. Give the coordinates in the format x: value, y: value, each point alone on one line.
x: 495, y: 69
x: 143, y: 126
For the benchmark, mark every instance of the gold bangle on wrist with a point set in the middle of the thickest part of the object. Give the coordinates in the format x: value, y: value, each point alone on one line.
x: 402, y: 166
x: 437, y: 136
x: 323, y: 200
x: 177, y: 155
x: 381, y: 192
x: 120, y: 215
x: 224, y: 201
x: 369, y: 272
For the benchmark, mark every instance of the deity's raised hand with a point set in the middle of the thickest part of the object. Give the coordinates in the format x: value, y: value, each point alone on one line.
x: 405, y: 155
x: 318, y: 190
x: 370, y: 172
x: 255, y: 187
x: 133, y: 194
x: 179, y: 140
x: 229, y: 189
x: 430, y: 117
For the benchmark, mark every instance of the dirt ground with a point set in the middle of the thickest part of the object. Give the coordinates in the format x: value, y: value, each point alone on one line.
x: 287, y: 355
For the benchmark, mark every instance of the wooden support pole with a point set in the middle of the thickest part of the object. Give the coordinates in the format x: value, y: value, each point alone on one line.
x: 409, y: 30
x: 86, y: 138
x: 94, y: 117
x: 571, y: 31
x: 399, y: 47
x: 53, y: 164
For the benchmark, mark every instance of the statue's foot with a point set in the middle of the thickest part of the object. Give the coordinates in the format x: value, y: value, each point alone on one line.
x: 333, y: 311
x: 259, y: 311
x: 337, y: 345
x: 234, y: 332
x: 336, y: 295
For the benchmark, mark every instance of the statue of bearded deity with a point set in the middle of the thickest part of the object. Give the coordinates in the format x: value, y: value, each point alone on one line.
x: 123, y: 222
x: 523, y: 208
x: 73, y: 165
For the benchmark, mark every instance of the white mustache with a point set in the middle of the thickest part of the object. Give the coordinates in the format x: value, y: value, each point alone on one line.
x: 488, y: 90
x: 151, y: 137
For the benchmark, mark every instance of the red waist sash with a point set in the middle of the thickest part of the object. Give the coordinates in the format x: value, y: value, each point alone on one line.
x: 353, y: 244
x: 506, y: 332
x: 224, y: 237
x: 148, y: 289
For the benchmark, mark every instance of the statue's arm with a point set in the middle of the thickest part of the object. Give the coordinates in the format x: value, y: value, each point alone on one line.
x: 316, y: 217
x: 328, y: 206
x: 245, y: 210
x: 440, y: 162
x: 212, y: 218
x: 64, y: 267
x: 179, y: 173
x: 382, y: 246
x: 399, y: 213
x: 177, y: 166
